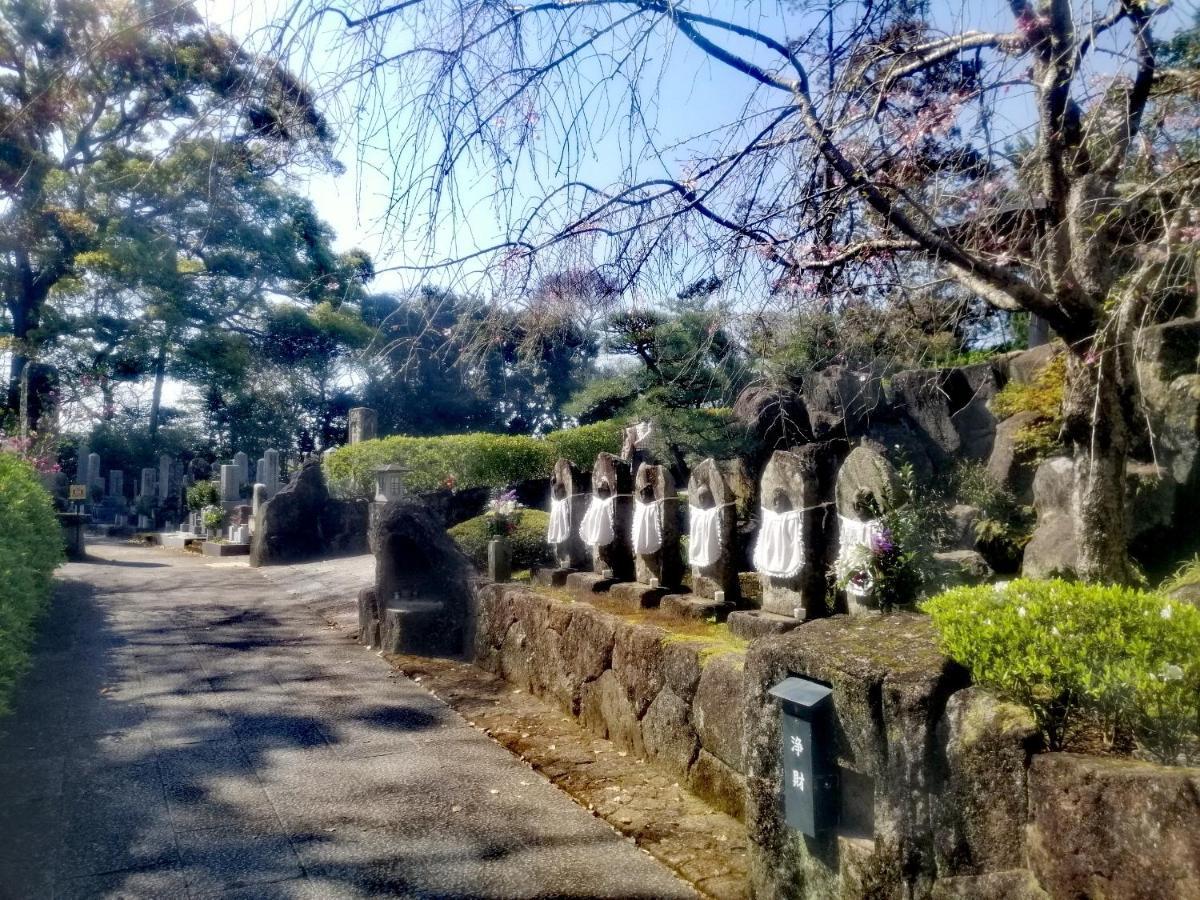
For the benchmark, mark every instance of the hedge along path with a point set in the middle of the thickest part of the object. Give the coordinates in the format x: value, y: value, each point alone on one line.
x: 467, y: 460
x: 31, y: 547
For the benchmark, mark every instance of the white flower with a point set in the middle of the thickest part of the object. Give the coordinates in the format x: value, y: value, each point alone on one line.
x: 1171, y: 672
x: 1021, y: 611
x: 1166, y: 611
x: 1054, y: 630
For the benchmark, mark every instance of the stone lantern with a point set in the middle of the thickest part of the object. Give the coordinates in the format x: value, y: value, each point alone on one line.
x: 389, y: 483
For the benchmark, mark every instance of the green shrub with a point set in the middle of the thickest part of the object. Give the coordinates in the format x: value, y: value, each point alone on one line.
x: 1043, y: 396
x: 1005, y: 525
x: 1121, y: 660
x: 528, y: 541
x: 202, y: 494
x: 31, y: 545
x: 463, y: 461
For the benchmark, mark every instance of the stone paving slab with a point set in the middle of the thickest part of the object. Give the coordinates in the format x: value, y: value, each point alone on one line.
x: 195, y: 728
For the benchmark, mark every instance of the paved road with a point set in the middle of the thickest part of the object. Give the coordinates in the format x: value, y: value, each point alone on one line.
x: 195, y: 730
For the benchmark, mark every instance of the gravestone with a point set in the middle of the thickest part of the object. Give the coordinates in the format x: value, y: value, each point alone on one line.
x: 230, y: 492
x: 260, y: 472
x: 149, y: 483
x: 865, y: 483
x: 570, y: 493
x: 258, y: 497
x: 271, y: 472
x: 655, y: 527
x: 605, y: 526
x: 712, y: 533
x: 165, y: 466
x: 242, y: 461
x: 363, y: 424
x: 116, y: 483
x: 94, y: 478
x: 797, y: 530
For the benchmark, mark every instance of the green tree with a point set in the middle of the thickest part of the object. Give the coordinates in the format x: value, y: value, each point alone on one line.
x: 106, y: 108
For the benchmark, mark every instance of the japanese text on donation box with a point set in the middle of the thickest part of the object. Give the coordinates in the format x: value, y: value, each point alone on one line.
x: 799, y: 783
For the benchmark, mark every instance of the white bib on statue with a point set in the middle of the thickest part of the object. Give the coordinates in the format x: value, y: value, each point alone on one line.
x: 560, y: 521
x: 647, y: 528
x: 704, y: 535
x: 852, y: 533
x: 596, y: 529
x: 779, y: 551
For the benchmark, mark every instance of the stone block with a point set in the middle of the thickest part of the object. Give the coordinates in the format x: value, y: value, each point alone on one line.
x: 635, y: 596
x: 839, y: 400
x: 1013, y: 884
x: 682, y: 662
x: 604, y: 708
x: 1053, y: 548
x: 585, y: 584
x: 703, y: 609
x: 713, y: 781
x: 954, y: 568
x: 211, y: 548
x: 637, y: 661
x: 1105, y: 827
x: 890, y: 685
x: 1004, y: 464
x: 551, y: 577
x: 588, y: 642
x: 751, y: 624
x: 979, y: 814
x: 668, y: 735
x: 717, y: 709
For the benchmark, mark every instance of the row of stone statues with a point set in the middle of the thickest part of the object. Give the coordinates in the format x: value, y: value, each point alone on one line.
x: 816, y: 514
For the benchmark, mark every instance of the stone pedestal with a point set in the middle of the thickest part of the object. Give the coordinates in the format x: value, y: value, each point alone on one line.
x: 708, y: 489
x: 499, y: 560
x: 802, y: 479
x: 568, y: 483
x: 363, y: 424
x: 654, y: 493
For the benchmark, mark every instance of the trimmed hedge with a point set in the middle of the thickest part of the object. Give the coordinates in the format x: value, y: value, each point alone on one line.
x: 465, y: 461
x: 31, y: 546
x: 1120, y: 661
x: 528, y: 542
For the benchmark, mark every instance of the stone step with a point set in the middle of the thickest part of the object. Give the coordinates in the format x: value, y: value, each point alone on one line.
x: 416, y: 626
x: 755, y: 623
x: 689, y: 606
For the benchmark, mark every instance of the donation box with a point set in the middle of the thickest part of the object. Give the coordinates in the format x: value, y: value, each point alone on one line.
x: 809, y: 779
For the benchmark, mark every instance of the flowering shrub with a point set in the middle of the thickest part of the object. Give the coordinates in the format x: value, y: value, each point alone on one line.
x: 1121, y: 661
x: 503, y: 514
x: 202, y: 494
x: 527, y: 540
x: 213, y: 518
x: 39, y: 450
x: 31, y: 545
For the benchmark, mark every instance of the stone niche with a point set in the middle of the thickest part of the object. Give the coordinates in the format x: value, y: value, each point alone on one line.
x: 708, y: 488
x: 803, y: 479
x: 423, y: 585
x: 655, y: 486
x: 611, y: 477
x: 570, y: 484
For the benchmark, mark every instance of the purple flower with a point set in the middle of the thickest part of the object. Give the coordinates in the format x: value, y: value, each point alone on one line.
x: 882, y: 543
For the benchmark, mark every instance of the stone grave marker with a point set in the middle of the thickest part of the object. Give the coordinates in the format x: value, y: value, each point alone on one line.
x: 149, y: 483
x: 271, y: 472
x: 570, y: 494
x: 655, y: 528
x: 94, y: 478
x: 606, y: 525
x: 229, y: 484
x: 166, y: 467
x: 363, y: 424
x: 865, y: 481
x: 712, y: 531
x: 796, y: 533
x: 116, y: 483
x: 242, y: 461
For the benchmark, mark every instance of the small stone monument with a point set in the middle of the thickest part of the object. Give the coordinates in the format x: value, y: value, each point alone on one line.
x: 230, y: 488
x: 165, y: 481
x: 94, y: 478
x: 116, y: 483
x: 570, y: 494
x: 149, y: 483
x: 865, y: 482
x: 258, y: 498
x: 605, y: 527
x: 796, y: 532
x: 242, y: 461
x: 655, y: 528
x: 363, y: 424
x: 260, y: 471
x: 271, y: 472
x: 712, y: 532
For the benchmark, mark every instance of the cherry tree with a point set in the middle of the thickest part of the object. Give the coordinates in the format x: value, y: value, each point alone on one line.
x: 1046, y: 165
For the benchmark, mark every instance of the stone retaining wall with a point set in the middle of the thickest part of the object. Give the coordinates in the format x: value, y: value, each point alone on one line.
x: 660, y: 696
